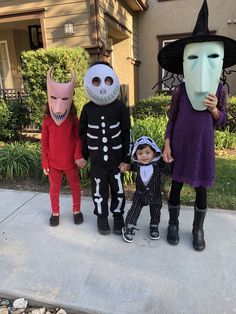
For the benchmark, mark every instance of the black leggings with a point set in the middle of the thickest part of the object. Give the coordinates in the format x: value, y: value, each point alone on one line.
x: 201, y: 195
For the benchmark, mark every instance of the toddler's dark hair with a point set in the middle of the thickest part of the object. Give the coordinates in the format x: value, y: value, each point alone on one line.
x: 142, y: 146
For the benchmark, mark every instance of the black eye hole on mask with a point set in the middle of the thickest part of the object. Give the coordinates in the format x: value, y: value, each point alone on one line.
x: 213, y: 56
x: 53, y: 97
x: 192, y: 57
x: 96, y: 81
x: 65, y: 98
x: 108, y: 80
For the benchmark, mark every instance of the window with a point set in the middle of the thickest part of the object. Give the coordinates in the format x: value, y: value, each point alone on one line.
x: 35, y: 37
x: 170, y: 78
x: 4, y: 64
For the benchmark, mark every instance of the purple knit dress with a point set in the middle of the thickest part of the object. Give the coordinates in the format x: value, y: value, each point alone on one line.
x: 191, y: 135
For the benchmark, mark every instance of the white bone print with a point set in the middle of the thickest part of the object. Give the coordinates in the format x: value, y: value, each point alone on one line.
x: 120, y: 200
x: 118, y: 178
x: 97, y: 180
x: 99, y: 207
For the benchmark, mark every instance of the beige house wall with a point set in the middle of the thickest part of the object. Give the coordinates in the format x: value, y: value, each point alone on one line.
x: 178, y: 17
x: 107, y: 28
x: 116, y: 14
x: 57, y: 13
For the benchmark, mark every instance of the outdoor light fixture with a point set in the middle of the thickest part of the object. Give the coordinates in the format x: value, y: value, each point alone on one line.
x: 69, y: 28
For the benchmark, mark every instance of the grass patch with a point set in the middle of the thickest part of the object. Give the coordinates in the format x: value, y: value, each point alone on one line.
x: 223, y: 195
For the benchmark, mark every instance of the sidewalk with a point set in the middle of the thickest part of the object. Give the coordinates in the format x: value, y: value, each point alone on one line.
x: 74, y: 267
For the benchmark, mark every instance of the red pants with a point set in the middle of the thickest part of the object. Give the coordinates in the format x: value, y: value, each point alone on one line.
x: 55, y: 178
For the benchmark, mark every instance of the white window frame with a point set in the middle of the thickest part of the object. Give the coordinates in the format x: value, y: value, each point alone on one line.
x: 8, y: 62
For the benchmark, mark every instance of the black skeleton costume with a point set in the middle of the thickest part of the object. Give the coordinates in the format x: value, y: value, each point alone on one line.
x: 148, y: 188
x: 105, y: 132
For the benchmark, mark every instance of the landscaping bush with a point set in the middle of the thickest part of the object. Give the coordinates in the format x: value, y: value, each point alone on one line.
x: 153, y: 127
x: 152, y: 106
x: 14, y: 116
x: 19, y: 160
x: 35, y: 65
x: 19, y: 118
x: 231, y: 107
x: 4, y: 118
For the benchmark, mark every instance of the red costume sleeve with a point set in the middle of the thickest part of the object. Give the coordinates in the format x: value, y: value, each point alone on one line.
x: 44, y: 145
x: 78, y: 145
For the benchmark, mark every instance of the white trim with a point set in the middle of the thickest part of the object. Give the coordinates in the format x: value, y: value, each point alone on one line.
x: 8, y: 78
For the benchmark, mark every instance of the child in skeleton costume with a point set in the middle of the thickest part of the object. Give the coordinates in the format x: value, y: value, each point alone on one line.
x: 149, y: 167
x: 198, y: 105
x: 61, y: 146
x: 105, y: 133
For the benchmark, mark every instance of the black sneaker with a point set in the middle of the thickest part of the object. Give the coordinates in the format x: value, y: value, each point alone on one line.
x: 54, y: 221
x: 78, y: 218
x: 118, y: 224
x: 154, y: 232
x: 103, y: 225
x: 128, y: 234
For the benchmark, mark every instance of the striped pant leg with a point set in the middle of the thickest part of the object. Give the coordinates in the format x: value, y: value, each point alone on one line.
x: 134, y: 213
x: 155, y: 213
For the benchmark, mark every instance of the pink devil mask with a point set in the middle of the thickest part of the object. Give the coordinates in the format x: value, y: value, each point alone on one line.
x: 60, y: 97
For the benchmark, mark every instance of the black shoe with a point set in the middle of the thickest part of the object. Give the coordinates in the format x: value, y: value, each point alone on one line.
x: 173, y: 234
x: 118, y: 224
x: 128, y: 234
x: 54, y: 221
x: 78, y: 218
x: 103, y: 225
x: 154, y: 232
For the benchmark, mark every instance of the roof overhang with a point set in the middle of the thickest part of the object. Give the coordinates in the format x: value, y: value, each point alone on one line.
x: 137, y: 5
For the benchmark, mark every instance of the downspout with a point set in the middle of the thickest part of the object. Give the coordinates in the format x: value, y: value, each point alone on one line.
x: 99, y: 41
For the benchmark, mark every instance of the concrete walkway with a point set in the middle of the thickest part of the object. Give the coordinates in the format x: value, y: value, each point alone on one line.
x: 84, y: 272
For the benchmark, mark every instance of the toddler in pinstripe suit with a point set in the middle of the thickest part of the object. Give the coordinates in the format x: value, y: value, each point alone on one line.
x: 148, y: 164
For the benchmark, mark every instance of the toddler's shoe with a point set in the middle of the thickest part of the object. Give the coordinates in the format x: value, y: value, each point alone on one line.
x: 118, y: 224
x: 78, y: 218
x: 103, y: 225
x: 128, y: 234
x: 54, y: 221
x: 154, y: 232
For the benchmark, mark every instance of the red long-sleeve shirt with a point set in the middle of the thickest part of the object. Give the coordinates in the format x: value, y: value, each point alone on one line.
x: 61, y: 144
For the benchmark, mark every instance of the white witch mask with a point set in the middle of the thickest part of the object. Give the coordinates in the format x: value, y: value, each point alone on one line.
x: 202, y: 67
x: 60, y: 97
x: 101, y: 84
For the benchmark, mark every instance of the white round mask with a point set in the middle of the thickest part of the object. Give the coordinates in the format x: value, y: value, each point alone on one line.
x: 101, y: 84
x: 202, y: 66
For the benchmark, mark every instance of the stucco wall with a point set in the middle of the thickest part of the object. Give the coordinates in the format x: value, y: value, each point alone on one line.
x: 57, y: 13
x: 173, y: 17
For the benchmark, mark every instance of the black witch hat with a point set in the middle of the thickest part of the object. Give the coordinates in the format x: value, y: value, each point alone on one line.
x: 170, y: 57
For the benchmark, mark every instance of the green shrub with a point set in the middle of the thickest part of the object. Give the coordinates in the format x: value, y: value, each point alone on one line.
x: 225, y: 139
x: 4, y: 118
x: 19, y: 160
x: 35, y: 65
x: 19, y: 118
x: 231, y: 107
x: 153, y: 127
x: 152, y: 106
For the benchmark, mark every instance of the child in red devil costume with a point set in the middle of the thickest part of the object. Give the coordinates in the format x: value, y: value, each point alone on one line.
x: 61, y: 147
